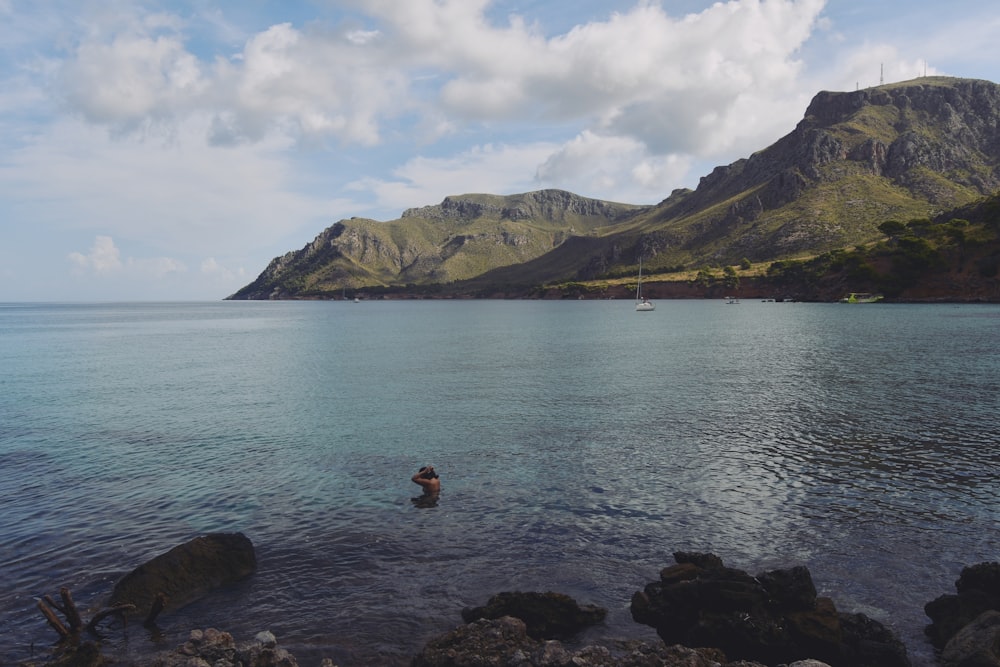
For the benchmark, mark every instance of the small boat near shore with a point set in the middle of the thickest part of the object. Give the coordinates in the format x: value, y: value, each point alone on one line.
x: 642, y: 304
x: 862, y: 297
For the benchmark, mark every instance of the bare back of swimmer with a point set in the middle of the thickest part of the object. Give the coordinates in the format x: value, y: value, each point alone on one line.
x: 428, y: 479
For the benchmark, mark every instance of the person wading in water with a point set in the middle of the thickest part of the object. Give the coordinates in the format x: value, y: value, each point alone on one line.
x: 430, y: 482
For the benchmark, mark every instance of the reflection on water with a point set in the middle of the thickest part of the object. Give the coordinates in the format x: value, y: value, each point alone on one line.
x: 582, y: 445
x: 426, y: 500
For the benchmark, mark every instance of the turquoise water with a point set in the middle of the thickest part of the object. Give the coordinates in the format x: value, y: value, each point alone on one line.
x: 579, y: 443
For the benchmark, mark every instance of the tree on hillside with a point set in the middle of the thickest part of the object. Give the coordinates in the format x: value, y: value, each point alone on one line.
x: 893, y: 229
x: 732, y: 280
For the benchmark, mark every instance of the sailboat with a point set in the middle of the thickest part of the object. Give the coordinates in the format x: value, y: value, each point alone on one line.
x: 641, y: 303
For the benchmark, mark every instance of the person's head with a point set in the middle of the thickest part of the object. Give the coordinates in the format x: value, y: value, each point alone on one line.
x: 427, y: 472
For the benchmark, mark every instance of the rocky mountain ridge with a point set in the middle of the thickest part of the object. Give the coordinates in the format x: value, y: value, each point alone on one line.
x: 458, y: 239
x: 856, y: 159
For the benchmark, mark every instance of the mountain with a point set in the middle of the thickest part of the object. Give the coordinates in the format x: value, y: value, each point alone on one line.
x: 902, y: 151
x: 460, y: 239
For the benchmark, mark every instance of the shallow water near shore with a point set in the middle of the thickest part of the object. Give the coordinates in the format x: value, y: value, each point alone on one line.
x: 579, y: 443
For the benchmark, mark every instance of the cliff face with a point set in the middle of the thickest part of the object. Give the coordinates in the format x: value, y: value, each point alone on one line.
x: 458, y: 239
x: 552, y: 205
x: 855, y: 160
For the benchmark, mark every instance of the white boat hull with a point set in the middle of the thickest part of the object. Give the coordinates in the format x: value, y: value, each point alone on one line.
x: 646, y: 305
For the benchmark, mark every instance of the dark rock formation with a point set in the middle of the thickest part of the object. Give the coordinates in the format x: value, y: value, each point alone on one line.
x: 976, y: 644
x: 978, y: 590
x: 775, y: 617
x: 187, y: 572
x: 505, y: 641
x: 546, y: 615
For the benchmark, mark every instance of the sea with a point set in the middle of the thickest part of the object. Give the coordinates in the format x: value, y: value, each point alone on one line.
x: 580, y: 444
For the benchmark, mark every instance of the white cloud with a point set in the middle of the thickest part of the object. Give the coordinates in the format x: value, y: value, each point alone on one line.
x: 104, y: 257
x: 132, y: 79
x: 643, y: 73
x: 615, y: 75
x: 612, y: 167
x: 494, y: 169
x: 314, y: 83
x: 652, y: 93
x: 103, y: 267
x: 310, y: 84
x: 156, y: 267
x: 171, y: 188
x: 212, y: 268
x: 103, y: 272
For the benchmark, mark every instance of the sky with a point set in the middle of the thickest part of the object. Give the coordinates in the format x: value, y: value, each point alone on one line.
x: 168, y: 150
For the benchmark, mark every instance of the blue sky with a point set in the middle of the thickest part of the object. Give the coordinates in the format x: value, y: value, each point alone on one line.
x: 168, y: 150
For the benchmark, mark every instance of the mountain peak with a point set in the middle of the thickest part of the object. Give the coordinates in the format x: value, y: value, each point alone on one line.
x: 939, y: 96
x: 551, y: 204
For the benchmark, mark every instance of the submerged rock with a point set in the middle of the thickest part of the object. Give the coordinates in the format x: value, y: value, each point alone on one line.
x: 546, y: 615
x: 187, y: 572
x: 775, y: 617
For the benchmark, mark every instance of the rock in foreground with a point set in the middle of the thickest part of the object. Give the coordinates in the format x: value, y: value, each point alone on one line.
x: 966, y: 625
x: 977, y: 591
x: 546, y: 615
x: 775, y: 617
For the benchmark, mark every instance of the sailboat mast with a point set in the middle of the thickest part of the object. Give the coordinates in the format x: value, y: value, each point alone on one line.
x: 638, y: 285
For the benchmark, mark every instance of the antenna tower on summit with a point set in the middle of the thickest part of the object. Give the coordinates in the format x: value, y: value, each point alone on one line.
x: 881, y: 75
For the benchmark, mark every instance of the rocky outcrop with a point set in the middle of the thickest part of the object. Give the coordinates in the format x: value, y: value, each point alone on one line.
x: 546, y: 615
x: 187, y: 572
x: 774, y: 617
x: 977, y: 592
x: 552, y: 205
x: 976, y: 644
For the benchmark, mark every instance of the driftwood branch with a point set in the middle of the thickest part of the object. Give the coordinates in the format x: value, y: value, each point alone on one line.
x: 52, y: 603
x: 121, y: 610
x: 53, y: 620
x: 72, y: 614
x: 70, y: 611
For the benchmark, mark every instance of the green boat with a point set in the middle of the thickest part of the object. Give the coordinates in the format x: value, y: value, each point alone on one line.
x: 861, y: 297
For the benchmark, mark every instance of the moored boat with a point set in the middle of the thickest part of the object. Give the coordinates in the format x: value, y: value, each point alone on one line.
x: 861, y: 297
x: 641, y: 302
